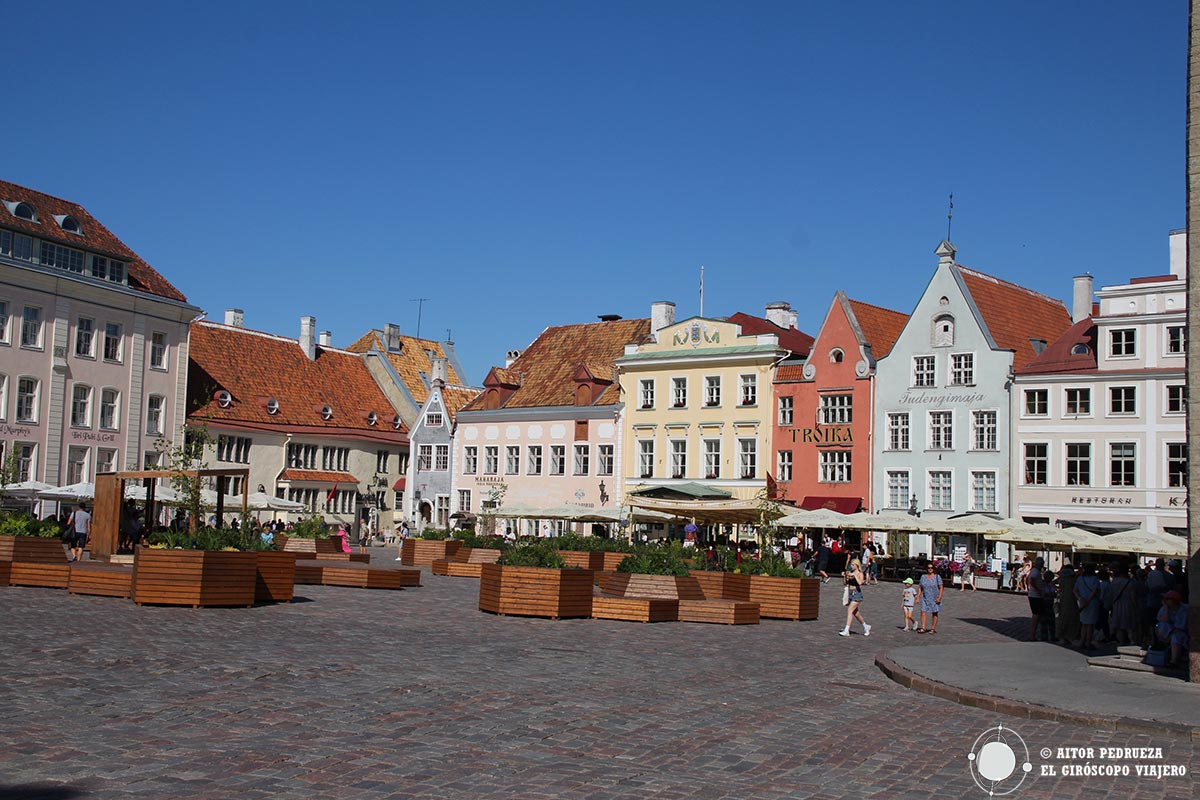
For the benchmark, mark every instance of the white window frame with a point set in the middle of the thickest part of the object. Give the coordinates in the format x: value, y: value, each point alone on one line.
x: 977, y: 487
x: 646, y: 393
x: 81, y: 407
x: 558, y: 460
x: 747, y: 458
x: 464, y: 500
x: 1181, y: 483
x: 980, y: 424
x: 1083, y: 394
x: 106, y: 460
x: 783, y: 465
x: 1125, y: 390
x: 77, y: 465
x: 836, y: 409
x: 679, y: 458
x: 491, y: 459
x: 679, y: 392
x: 892, y: 486
x: 747, y: 389
x: 962, y: 374
x: 89, y: 351
x: 470, y: 459
x: 835, y: 466
x: 158, y: 350
x: 5, y: 323
x: 32, y: 327
x: 31, y: 399
x: 712, y: 391
x: 946, y: 492
x: 645, y: 458
x: 441, y: 458
x: 899, y: 436
x: 1112, y: 463
x: 581, y: 459
x: 1171, y: 388
x: 712, y: 458
x: 1175, y: 340
x: 1069, y: 461
x: 1127, y: 342
x: 941, y: 434
x: 119, y: 339
x: 787, y: 409
x: 605, y: 460
x: 433, y: 419
x: 533, y: 460
x: 512, y: 459
x: 3, y: 405
x: 1026, y: 395
x: 1043, y: 459
x: 923, y: 377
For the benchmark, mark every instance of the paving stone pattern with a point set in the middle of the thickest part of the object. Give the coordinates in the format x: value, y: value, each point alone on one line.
x: 351, y: 693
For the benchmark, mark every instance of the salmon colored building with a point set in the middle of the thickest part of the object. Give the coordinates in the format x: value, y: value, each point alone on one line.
x: 822, y: 434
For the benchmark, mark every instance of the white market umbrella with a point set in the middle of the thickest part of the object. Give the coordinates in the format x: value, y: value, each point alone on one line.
x: 887, y: 521
x: 25, y: 489
x: 162, y: 494
x: 261, y: 501
x: 74, y: 492
x: 817, y: 518
x: 1049, y: 537
x: 1167, y: 545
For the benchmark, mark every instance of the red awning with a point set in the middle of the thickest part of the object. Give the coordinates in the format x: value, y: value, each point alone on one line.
x: 399, y: 485
x: 842, y: 505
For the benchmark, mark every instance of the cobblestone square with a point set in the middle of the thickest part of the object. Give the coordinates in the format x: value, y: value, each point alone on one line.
x: 394, y: 694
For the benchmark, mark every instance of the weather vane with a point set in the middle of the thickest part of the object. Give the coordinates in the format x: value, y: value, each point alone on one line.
x: 950, y: 216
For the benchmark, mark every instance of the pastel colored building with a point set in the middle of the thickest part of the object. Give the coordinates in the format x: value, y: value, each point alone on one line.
x: 545, y: 431
x: 1100, y: 416
x: 942, y: 401
x: 307, y: 419
x: 823, y: 420
x: 93, y: 344
x: 698, y: 400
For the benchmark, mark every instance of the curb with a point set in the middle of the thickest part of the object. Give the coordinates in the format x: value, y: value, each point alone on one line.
x: 1000, y: 705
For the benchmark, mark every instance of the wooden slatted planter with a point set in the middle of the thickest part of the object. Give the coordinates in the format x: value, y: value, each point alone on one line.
x: 726, y: 612
x: 5, y: 569
x: 535, y: 591
x: 322, y: 547
x: 786, y: 598
x: 609, y: 561
x: 423, y: 552
x: 274, y: 576
x: 194, y: 578
x: 592, y: 559
x: 39, y: 573
x: 635, y: 609
x: 338, y: 573
x: 35, y: 549
x: 579, y: 559
x: 101, y: 579
x: 722, y: 585
x: 466, y: 563
x: 669, y: 587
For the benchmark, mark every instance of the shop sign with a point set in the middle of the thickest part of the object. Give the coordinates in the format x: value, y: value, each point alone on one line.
x: 832, y: 434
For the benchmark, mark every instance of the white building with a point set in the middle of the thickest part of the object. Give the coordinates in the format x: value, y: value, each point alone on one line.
x: 1100, y: 416
x: 93, y: 344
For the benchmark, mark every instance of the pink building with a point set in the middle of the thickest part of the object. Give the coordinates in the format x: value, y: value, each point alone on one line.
x: 93, y: 344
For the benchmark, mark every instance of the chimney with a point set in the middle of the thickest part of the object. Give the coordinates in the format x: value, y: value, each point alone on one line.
x: 439, y: 372
x: 781, y: 314
x: 662, y: 314
x: 308, y: 342
x: 235, y: 317
x: 510, y: 357
x: 391, y: 337
x: 326, y: 339
x: 945, y: 253
x: 1081, y: 299
x: 1179, y: 254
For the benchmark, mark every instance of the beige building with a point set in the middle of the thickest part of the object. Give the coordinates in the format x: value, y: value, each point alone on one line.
x: 1099, y: 417
x: 698, y: 400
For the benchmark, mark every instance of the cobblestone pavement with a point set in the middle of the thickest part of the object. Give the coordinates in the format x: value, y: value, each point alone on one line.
x: 373, y: 694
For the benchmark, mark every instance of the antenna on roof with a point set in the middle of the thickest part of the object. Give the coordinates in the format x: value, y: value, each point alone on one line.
x: 420, y: 301
x: 702, y: 290
x: 950, y: 216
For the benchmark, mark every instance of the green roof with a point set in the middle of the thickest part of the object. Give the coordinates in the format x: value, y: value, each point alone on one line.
x: 690, y: 490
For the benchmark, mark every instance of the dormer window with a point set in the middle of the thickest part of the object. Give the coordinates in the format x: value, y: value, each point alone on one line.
x: 836, y: 355
x: 224, y: 399
x: 396, y: 422
x: 1080, y: 350
x: 372, y: 418
x: 69, y: 224
x: 272, y: 406
x: 22, y: 211
x: 326, y: 413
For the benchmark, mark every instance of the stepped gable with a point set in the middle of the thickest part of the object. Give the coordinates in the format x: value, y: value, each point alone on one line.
x: 1014, y: 315
x: 94, y: 236
x: 793, y: 339
x: 254, y: 367
x: 1061, y: 356
x: 880, y: 326
x: 544, y: 374
x: 411, y: 362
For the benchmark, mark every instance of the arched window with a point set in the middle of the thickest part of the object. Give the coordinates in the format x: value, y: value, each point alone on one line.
x: 583, y: 395
x: 25, y: 211
x: 836, y: 355
x: 943, y: 331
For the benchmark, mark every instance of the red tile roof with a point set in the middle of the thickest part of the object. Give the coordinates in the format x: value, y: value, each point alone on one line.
x: 254, y: 366
x: 880, y: 326
x: 94, y: 238
x: 799, y: 342
x: 788, y: 373
x: 317, y: 475
x: 456, y: 397
x: 1014, y: 315
x: 1059, y: 356
x: 546, y: 369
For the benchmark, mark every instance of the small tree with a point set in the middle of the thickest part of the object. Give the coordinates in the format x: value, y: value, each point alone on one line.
x: 490, y: 507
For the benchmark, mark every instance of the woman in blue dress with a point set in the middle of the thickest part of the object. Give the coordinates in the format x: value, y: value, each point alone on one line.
x: 929, y: 594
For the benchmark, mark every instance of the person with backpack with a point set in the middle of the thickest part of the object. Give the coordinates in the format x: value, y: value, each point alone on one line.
x: 81, y: 524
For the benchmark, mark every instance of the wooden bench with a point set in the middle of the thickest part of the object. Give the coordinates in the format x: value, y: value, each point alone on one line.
x: 466, y: 563
x: 635, y: 609
x: 339, y: 573
x: 39, y: 573
x: 100, y: 579
x: 692, y: 603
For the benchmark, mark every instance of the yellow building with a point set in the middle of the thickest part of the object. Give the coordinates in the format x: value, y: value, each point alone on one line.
x: 698, y: 400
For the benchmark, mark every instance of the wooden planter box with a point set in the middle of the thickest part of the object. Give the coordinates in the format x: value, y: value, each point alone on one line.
x: 322, y: 547
x: 535, y: 591
x: 592, y: 559
x: 101, y: 579
x: 722, y: 585
x: 341, y: 573
x: 423, y: 552
x: 274, y: 576
x: 35, y: 549
x: 666, y: 587
x: 466, y: 563
x: 786, y: 598
x: 5, y: 570
x: 39, y: 573
x: 194, y: 577
x: 580, y: 559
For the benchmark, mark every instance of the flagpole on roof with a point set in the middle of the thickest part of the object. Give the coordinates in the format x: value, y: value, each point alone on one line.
x: 702, y: 290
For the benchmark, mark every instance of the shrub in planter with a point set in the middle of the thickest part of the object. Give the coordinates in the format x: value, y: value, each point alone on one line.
x: 534, y: 554
x: 20, y: 524
x: 310, y: 528
x: 654, y: 561
x: 770, y: 566
x: 435, y: 535
x: 485, y: 542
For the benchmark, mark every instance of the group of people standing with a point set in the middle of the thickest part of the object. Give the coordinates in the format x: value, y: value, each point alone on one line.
x: 1087, y: 605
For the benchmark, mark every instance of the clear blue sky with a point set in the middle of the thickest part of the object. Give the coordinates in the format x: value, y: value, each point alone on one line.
x: 525, y: 164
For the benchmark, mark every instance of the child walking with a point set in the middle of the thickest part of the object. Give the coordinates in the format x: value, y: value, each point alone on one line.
x: 907, y: 604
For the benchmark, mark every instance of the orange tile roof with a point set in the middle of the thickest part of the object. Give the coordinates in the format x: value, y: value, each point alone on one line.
x: 254, y: 366
x: 788, y: 373
x: 880, y: 326
x: 1059, y: 355
x: 317, y: 475
x: 94, y: 238
x: 410, y: 362
x: 1014, y: 314
x: 456, y: 397
x: 547, y: 367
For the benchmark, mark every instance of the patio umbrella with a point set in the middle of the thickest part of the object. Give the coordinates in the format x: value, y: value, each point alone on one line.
x: 162, y: 494
x: 817, y: 518
x: 25, y: 489
x: 975, y: 523
x: 1047, y: 537
x: 261, y: 501
x: 887, y: 521
x: 74, y: 492
x: 1167, y: 545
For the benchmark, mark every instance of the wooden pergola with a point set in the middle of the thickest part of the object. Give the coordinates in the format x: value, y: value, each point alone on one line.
x: 110, y: 496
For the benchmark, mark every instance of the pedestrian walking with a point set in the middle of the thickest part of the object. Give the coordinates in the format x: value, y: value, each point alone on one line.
x: 907, y: 603
x: 81, y: 523
x: 403, y: 538
x: 823, y: 553
x: 1033, y: 584
x: 855, y: 579
x: 968, y: 573
x: 929, y: 594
